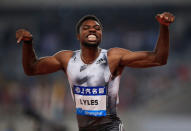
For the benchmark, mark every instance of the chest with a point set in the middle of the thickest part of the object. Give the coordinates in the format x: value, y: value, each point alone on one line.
x: 96, y: 74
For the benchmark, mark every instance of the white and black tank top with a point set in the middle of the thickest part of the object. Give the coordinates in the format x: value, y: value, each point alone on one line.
x: 94, y: 92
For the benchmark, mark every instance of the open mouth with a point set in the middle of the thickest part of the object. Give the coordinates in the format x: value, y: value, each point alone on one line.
x: 92, y: 37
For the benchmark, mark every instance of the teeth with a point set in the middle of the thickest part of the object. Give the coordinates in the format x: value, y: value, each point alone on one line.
x: 91, y: 37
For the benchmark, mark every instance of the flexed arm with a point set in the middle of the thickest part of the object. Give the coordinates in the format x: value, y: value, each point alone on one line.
x: 158, y: 56
x: 162, y: 48
x: 31, y: 64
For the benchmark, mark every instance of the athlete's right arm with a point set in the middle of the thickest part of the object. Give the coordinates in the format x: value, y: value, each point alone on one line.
x: 34, y: 66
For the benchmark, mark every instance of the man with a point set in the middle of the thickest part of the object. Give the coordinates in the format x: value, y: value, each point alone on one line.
x: 94, y: 73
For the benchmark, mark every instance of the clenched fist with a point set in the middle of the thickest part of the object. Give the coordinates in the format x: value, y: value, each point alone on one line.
x: 23, y: 35
x: 165, y: 18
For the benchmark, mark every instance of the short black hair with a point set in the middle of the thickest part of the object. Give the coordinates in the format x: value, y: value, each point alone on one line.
x: 84, y: 18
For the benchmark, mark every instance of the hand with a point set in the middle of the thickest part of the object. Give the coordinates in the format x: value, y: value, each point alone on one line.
x: 23, y: 35
x: 165, y: 18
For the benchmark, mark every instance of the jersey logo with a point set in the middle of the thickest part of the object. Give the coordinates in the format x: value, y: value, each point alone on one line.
x: 101, y: 61
x: 83, y: 68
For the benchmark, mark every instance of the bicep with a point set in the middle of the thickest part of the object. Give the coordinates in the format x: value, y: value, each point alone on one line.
x: 46, y: 65
x: 139, y: 59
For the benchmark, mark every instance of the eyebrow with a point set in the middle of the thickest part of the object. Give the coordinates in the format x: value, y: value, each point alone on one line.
x: 93, y: 26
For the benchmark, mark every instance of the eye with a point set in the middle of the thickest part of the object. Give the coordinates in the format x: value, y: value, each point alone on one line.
x: 86, y: 27
x: 97, y: 27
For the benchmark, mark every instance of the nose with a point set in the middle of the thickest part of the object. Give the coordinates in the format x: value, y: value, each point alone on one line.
x: 92, y: 29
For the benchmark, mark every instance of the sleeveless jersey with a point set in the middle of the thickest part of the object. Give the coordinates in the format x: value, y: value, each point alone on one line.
x: 93, y: 89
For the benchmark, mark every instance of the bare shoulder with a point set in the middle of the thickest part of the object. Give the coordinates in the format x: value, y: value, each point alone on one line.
x: 114, y: 57
x: 64, y: 53
x: 117, y: 51
x: 63, y: 57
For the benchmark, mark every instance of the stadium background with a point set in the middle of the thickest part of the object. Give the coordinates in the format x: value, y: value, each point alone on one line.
x: 150, y: 99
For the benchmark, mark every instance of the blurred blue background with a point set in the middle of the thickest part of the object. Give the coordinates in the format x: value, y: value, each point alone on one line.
x: 152, y: 99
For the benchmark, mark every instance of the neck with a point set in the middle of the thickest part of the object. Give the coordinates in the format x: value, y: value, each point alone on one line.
x: 89, y: 54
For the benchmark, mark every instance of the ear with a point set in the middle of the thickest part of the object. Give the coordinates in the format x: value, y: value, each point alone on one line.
x: 78, y: 36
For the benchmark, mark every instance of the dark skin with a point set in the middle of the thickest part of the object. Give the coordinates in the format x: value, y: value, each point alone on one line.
x: 118, y: 58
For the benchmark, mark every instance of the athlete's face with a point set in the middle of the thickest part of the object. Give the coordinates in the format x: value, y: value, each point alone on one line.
x: 90, y: 33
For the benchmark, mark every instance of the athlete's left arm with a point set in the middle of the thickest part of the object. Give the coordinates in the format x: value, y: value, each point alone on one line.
x: 155, y: 58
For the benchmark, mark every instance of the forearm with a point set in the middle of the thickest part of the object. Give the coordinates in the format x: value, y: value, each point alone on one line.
x: 162, y: 48
x: 28, y: 58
